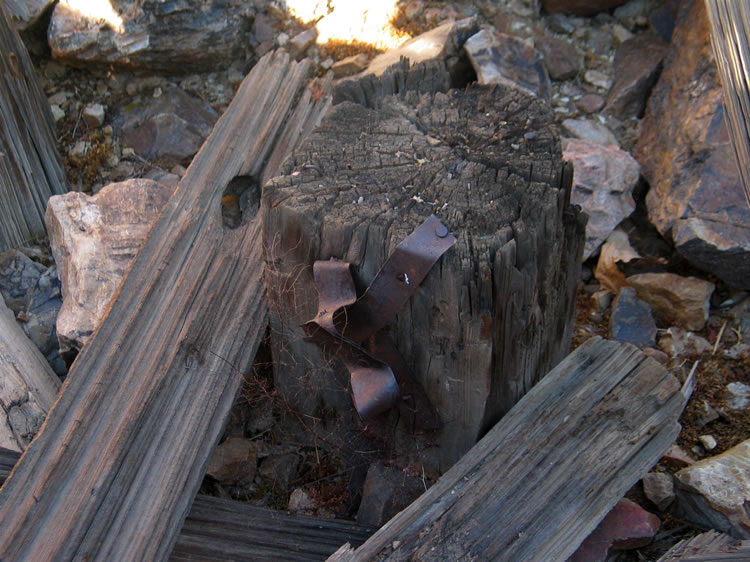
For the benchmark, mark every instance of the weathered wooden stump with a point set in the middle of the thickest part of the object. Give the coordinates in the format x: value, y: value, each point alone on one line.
x: 495, y: 313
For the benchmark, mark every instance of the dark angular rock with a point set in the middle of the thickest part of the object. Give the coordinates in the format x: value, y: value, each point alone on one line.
x: 168, y: 36
x: 637, y: 66
x: 580, y: 7
x: 279, y: 470
x: 167, y: 129
x: 696, y: 196
x: 387, y: 491
x: 627, y: 526
x: 498, y: 58
x: 560, y: 57
x: 631, y: 320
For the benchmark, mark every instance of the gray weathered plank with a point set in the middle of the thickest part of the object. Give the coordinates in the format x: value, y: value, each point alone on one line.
x: 541, y: 480
x: 30, y: 168
x: 114, y: 469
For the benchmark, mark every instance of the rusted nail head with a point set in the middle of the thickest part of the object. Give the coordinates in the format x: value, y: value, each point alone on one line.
x: 441, y: 231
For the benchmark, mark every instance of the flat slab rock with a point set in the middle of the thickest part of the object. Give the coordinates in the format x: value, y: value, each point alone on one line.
x: 94, y: 239
x: 177, y: 35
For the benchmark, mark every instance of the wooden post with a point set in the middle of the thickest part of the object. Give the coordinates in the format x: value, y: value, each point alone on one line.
x: 545, y: 476
x: 30, y: 168
x: 113, y: 472
x: 495, y: 313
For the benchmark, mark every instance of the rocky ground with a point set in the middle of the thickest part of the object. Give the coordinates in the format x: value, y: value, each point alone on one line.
x: 100, y: 110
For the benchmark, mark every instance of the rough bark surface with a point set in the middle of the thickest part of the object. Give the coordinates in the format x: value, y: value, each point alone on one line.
x: 495, y: 314
x: 30, y: 168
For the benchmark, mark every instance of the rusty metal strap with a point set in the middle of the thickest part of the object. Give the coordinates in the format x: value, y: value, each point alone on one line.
x: 344, y: 324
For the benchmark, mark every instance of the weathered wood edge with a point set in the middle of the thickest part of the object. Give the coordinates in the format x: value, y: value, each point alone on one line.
x: 420, y: 530
x: 113, y: 472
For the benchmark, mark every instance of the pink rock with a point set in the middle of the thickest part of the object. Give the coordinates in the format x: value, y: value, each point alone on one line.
x: 603, y: 182
x: 676, y: 456
x: 628, y: 525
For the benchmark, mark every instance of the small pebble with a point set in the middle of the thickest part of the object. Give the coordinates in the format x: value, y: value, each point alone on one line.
x: 708, y: 442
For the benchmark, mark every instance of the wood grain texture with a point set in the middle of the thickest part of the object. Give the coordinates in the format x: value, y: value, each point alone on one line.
x: 30, y: 168
x: 541, y: 480
x: 495, y: 313
x: 219, y: 529
x: 120, y: 458
x: 28, y: 386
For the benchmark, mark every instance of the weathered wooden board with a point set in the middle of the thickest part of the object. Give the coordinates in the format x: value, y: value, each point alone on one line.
x: 30, y: 168
x: 495, y: 313
x: 218, y: 529
x: 28, y: 386
x: 541, y: 480
x: 120, y: 458
x: 711, y: 546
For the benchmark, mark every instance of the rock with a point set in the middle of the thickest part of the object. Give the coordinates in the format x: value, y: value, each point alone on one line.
x: 656, y: 354
x: 93, y: 115
x: 627, y: 526
x: 591, y: 130
x: 598, y: 79
x: 279, y: 470
x: 263, y: 29
x: 617, y: 248
x: 387, y: 491
x: 621, y: 34
x: 601, y: 300
x: 603, y: 182
x: 300, y: 502
x: 637, y: 65
x: 234, y: 462
x: 659, y: 489
x: 57, y: 112
x: 696, y: 197
x: 713, y: 493
x: 675, y: 300
x: 188, y: 35
x: 677, y: 457
x: 677, y: 342
x: 94, y: 240
x: 443, y: 42
x: 298, y: 44
x: 590, y: 103
x: 708, y: 441
x: 19, y: 274
x: 560, y: 57
x: 349, y: 65
x: 738, y: 395
x: 170, y: 128
x: 580, y: 7
x: 498, y: 58
x: 631, y: 320
x: 707, y: 415
x: 25, y: 13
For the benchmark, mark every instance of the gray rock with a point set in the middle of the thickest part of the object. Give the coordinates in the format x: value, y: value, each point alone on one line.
x: 603, y: 182
x: 234, y: 462
x: 560, y: 57
x: 349, y: 65
x: 443, y: 42
x: 696, y: 197
x: 167, y: 129
x: 631, y: 320
x: 713, y: 493
x: 94, y: 239
x: 387, y: 491
x: 279, y: 470
x: 592, y: 130
x: 675, y: 300
x: 184, y: 35
x: 738, y: 395
x: 19, y: 274
x: 93, y: 115
x: 659, y: 489
x: 498, y: 58
x: 637, y: 65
